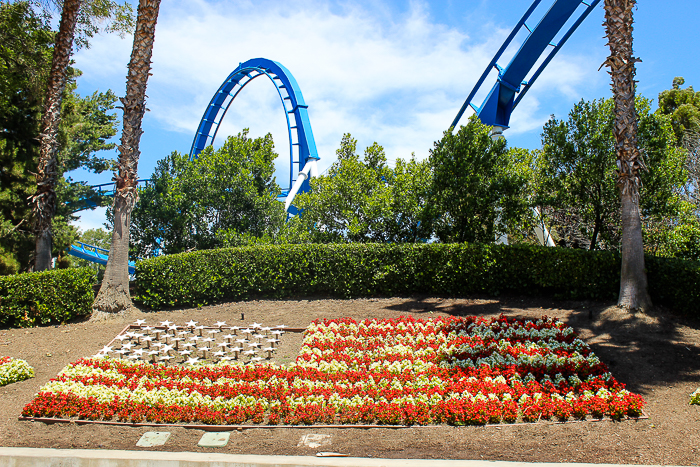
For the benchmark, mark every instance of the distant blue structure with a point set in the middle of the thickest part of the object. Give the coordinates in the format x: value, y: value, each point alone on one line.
x: 510, y: 86
x: 302, y: 145
x: 104, y: 189
x: 95, y: 254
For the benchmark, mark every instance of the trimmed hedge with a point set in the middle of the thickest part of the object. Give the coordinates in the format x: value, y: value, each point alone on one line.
x: 675, y: 283
x: 351, y: 270
x: 355, y: 270
x: 47, y: 297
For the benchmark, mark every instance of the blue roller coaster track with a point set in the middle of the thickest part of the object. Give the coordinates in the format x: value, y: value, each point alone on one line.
x: 94, y: 254
x: 302, y: 145
x: 496, y: 109
x: 510, y: 86
x: 104, y: 189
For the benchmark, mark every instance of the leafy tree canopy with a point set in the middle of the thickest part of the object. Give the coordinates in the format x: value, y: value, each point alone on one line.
x: 362, y: 199
x: 88, y: 122
x: 95, y: 16
x: 683, y: 105
x: 209, y: 201
x: 576, y: 173
x: 477, y: 189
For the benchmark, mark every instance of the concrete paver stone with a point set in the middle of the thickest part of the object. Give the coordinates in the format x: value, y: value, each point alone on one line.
x: 313, y: 440
x: 214, y: 440
x: 153, y: 438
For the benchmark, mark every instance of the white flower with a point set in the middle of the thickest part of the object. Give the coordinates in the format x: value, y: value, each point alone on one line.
x: 15, y: 370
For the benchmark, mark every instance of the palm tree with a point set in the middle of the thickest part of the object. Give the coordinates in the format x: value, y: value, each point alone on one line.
x: 44, y: 200
x: 114, y: 293
x: 618, y: 28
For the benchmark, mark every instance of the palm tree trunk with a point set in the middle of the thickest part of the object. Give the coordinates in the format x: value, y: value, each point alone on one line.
x: 114, y: 293
x: 618, y: 26
x: 44, y: 200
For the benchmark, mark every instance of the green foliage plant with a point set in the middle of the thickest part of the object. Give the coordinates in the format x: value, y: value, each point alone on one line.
x: 675, y: 283
x: 695, y: 397
x: 203, y: 203
x: 402, y: 269
x: 474, y: 192
x: 683, y: 106
x: 576, y: 173
x: 87, y: 124
x: 366, y: 269
x: 14, y: 371
x: 675, y: 236
x: 25, y: 57
x: 49, y: 297
x: 362, y: 199
x: 94, y: 17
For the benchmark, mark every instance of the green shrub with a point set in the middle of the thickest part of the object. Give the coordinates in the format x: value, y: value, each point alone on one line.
x: 352, y: 270
x: 675, y: 283
x: 355, y: 270
x: 695, y: 397
x: 45, y: 297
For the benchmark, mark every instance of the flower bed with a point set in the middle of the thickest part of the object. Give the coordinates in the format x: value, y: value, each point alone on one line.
x: 460, y: 371
x: 13, y: 370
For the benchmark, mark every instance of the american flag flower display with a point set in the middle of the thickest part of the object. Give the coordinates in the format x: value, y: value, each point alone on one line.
x: 406, y: 371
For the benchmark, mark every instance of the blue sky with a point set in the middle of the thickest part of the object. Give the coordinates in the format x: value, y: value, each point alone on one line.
x: 394, y: 72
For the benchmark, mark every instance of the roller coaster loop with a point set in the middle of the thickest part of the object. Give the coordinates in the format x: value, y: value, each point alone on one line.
x: 302, y: 146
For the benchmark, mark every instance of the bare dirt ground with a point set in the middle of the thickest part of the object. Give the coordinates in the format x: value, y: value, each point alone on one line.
x: 656, y: 355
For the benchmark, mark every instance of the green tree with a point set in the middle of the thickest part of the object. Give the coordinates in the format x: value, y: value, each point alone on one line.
x: 25, y: 57
x: 409, y: 193
x: 74, y: 14
x: 94, y: 17
x: 363, y: 199
x: 98, y: 237
x: 577, y: 178
x: 211, y: 201
x: 575, y: 173
x: 476, y: 190
x: 87, y: 125
x: 691, y: 144
x: 676, y: 236
x: 683, y: 105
